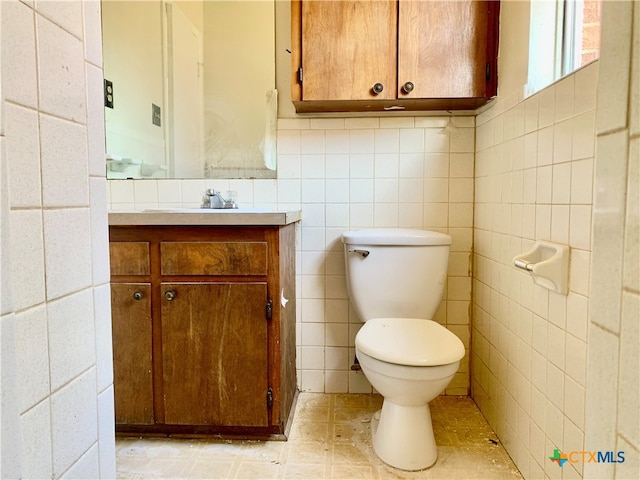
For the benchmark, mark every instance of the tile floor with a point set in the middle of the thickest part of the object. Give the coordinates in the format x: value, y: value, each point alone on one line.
x: 329, y: 439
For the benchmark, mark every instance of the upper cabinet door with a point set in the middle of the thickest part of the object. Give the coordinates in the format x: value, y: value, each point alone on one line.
x: 349, y: 50
x: 442, y: 49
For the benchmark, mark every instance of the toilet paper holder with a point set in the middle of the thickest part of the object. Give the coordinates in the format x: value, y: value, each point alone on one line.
x: 548, y: 264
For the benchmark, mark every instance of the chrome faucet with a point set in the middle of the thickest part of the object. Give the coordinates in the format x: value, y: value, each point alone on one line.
x: 214, y: 199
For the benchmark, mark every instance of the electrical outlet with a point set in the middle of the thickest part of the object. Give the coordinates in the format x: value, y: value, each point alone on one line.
x: 156, y: 118
x: 108, y: 93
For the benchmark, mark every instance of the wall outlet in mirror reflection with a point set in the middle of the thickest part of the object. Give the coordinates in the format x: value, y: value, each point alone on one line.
x: 155, y: 115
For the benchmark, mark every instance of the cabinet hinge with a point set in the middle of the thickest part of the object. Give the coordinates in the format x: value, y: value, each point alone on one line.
x: 300, y: 75
x: 488, y: 71
x: 269, y: 397
x: 269, y: 309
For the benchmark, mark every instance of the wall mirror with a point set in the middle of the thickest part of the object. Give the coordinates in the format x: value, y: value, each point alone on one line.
x: 190, y: 88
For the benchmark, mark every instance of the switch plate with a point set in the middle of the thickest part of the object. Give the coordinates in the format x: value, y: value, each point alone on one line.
x: 108, y: 93
x: 155, y: 115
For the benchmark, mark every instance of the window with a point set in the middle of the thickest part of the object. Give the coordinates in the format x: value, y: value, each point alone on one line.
x: 564, y: 36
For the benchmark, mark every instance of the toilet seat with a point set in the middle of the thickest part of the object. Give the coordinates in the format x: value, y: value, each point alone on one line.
x: 409, y: 341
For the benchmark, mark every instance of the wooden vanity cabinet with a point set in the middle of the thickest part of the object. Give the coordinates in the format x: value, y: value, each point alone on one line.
x: 420, y: 55
x: 203, y: 329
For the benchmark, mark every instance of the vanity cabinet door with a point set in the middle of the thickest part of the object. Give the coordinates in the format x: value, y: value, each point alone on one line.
x: 214, y: 353
x: 132, y: 353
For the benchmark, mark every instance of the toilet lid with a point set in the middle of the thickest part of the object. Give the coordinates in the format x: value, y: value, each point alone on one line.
x: 409, y: 341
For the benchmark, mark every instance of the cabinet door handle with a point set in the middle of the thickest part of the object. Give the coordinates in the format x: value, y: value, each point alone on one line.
x: 137, y: 295
x: 169, y: 295
x: 408, y: 87
x: 377, y: 88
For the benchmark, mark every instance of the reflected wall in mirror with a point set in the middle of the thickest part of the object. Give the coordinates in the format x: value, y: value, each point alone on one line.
x: 189, y: 88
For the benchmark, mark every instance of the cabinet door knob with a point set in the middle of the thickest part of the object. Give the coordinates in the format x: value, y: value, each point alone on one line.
x: 169, y: 295
x: 408, y: 87
x: 377, y: 88
x: 137, y: 295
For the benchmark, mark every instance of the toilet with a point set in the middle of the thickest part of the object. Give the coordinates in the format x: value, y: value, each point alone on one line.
x: 396, y: 280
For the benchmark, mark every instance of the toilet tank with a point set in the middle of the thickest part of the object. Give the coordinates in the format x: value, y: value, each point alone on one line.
x: 396, y: 272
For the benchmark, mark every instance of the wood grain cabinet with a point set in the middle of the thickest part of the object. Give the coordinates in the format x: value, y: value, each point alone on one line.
x: 203, y: 329
x: 358, y: 55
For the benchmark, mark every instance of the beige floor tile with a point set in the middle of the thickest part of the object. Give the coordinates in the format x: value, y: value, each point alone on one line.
x: 330, y: 439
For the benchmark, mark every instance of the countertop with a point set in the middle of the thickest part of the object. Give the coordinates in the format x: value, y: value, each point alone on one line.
x: 198, y: 216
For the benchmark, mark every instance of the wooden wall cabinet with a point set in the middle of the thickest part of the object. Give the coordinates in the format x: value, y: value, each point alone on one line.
x: 359, y: 55
x: 202, y: 343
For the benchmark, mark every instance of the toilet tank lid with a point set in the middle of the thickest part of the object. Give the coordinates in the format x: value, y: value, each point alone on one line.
x: 395, y: 236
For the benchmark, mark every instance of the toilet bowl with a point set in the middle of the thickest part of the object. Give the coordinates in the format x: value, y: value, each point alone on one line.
x: 409, y: 362
x: 395, y: 280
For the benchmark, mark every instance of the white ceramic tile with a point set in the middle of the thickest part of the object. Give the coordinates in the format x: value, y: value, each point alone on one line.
x: 102, y: 320
x: 461, y: 190
x: 411, y: 140
x: 72, y: 346
x: 460, y: 214
x: 288, y: 142
x: 580, y: 227
x: 312, y: 310
x: 68, y: 256
x: 564, y: 98
x: 92, y: 31
x: 436, y: 165
x: 582, y: 181
x: 361, y: 166
x: 462, y: 140
x: 396, y: 122
x: 563, y: 141
x: 561, y: 190
x: 312, y: 358
x: 23, y: 156
x: 385, y: 190
x: 560, y: 223
x: 169, y: 191
x: 546, y: 106
x: 312, y: 286
x: 385, y: 215
x: 336, y: 381
x: 336, y: 141
x: 530, y: 158
x: 632, y: 221
x: 337, y: 165
x: 436, y: 140
x: 337, y: 215
x: 361, y: 141
x: 36, y: 442
x: 294, y: 123
x: 531, y: 114
x: 545, y: 146
x: 68, y: 15
x: 64, y: 149
x: 87, y: 466
x: 264, y: 192
x: 99, y: 230
x: 313, y: 334
x: 121, y: 191
x: 361, y: 215
x: 629, y: 384
x: 33, y: 356
x: 289, y: 191
x: 602, y: 370
x: 387, y: 140
x: 583, y: 142
x: 19, y: 79
x: 615, y: 57
x: 386, y: 165
x: 436, y: 190
x: 74, y: 421
x: 95, y: 113
x: 543, y: 222
x: 312, y: 142
x: 579, y: 266
x: 576, y: 359
x: 556, y: 346
x: 361, y: 123
x: 411, y: 190
x: 586, y: 84
x: 577, y: 315
x: 27, y: 245
x: 62, y: 89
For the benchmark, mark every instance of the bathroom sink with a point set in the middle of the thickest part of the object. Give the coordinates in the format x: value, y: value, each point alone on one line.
x: 210, y: 210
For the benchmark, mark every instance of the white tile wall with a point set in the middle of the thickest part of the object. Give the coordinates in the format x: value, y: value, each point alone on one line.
x: 55, y: 328
x: 349, y: 173
x: 612, y: 416
x: 533, y: 181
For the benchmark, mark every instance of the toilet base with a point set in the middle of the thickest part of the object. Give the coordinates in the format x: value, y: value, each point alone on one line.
x: 403, y: 436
